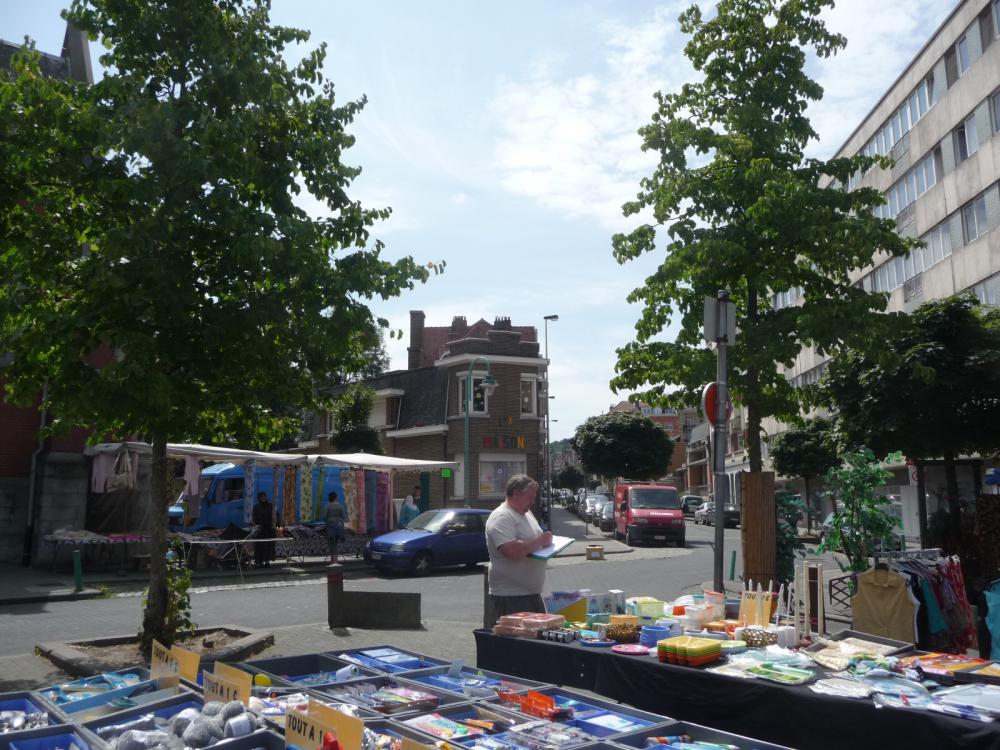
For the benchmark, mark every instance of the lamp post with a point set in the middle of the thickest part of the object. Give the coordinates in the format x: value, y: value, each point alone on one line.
x: 548, y: 435
x: 489, y: 385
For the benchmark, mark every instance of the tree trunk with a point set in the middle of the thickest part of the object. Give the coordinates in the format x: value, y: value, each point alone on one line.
x: 753, y: 388
x: 954, y: 507
x: 809, y: 508
x: 155, y: 615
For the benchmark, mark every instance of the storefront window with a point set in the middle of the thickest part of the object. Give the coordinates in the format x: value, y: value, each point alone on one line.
x: 495, y: 470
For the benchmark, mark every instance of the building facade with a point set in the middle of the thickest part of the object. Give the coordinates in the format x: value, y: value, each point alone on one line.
x: 420, y: 411
x: 940, y: 122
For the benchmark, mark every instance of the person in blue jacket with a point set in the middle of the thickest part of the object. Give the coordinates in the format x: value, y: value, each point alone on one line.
x: 409, y: 511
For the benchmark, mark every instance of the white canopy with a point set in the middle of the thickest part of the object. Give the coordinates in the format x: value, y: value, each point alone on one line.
x: 238, y: 456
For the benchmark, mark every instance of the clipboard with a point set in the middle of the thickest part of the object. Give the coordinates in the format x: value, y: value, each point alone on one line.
x: 559, y: 543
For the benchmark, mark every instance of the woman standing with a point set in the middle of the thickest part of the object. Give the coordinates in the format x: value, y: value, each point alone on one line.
x: 335, y: 518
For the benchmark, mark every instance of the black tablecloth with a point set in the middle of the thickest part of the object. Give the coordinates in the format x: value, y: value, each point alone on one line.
x: 792, y: 716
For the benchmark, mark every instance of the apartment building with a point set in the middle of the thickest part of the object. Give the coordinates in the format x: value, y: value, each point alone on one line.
x: 940, y: 122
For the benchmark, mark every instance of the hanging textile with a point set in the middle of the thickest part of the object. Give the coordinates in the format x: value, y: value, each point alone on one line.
x: 104, y: 464
x: 275, y: 473
x: 359, y: 480
x: 350, y: 489
x: 288, y: 496
x: 391, y: 510
x: 306, y: 494
x: 192, y: 475
x: 382, y: 503
x: 249, y: 489
x: 371, y: 499
x: 883, y: 607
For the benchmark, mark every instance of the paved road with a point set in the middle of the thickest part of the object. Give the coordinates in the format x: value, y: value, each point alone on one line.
x: 454, y: 595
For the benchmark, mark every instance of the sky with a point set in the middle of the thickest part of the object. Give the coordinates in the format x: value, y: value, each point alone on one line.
x: 504, y: 138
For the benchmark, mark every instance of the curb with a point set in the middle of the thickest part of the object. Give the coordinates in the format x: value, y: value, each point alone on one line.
x: 66, y: 596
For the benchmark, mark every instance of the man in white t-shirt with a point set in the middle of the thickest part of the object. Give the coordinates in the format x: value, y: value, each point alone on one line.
x: 512, y: 534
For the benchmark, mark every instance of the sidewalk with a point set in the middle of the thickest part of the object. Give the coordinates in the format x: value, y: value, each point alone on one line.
x: 565, y: 523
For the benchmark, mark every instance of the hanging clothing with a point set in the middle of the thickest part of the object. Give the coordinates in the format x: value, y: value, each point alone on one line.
x: 104, y: 465
x: 192, y: 475
x: 883, y: 607
x: 288, y: 496
x: 350, y: 489
x: 359, y: 483
x: 383, y: 503
x: 306, y: 494
x: 249, y: 489
x: 371, y: 499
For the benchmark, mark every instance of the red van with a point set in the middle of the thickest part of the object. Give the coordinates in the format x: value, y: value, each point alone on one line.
x: 647, y: 512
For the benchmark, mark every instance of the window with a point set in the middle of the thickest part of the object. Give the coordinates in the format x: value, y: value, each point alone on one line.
x: 966, y: 141
x: 962, y: 54
x: 495, y: 469
x: 228, y: 490
x: 974, y: 219
x: 988, y: 291
x: 996, y: 17
x: 480, y: 403
x: 938, y: 242
x: 912, y: 288
x: 995, y: 110
x: 529, y: 399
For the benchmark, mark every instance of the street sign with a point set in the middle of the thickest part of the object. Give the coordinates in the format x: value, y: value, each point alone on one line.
x: 711, y: 332
x: 709, y: 404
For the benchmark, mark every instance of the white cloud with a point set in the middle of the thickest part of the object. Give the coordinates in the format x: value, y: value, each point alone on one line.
x: 460, y: 199
x: 569, y: 140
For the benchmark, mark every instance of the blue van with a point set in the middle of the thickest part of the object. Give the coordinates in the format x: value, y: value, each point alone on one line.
x: 220, y: 494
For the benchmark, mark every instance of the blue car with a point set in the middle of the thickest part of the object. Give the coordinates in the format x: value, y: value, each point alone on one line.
x: 433, y: 539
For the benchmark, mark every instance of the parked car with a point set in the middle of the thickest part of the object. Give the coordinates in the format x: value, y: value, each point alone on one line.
x: 732, y: 515
x: 607, y: 519
x: 703, y: 511
x: 435, y: 538
x: 592, y: 508
x: 691, y: 503
x: 648, y: 512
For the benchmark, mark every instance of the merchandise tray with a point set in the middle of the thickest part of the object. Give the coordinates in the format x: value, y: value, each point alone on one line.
x: 458, y: 713
x: 697, y: 733
x: 32, y: 704
x: 289, y: 670
x: 587, y: 709
x: 438, y: 677
x: 49, y: 696
x: 262, y: 739
x: 900, y: 647
x: 369, y: 657
x: 164, y: 710
x: 965, y: 676
x: 338, y: 694
x: 390, y: 727
x: 45, y: 738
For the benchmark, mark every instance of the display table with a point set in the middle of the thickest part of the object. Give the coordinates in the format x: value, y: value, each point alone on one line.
x: 792, y: 716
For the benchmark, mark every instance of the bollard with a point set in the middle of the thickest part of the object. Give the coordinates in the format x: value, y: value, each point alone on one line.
x: 335, y: 612
x: 732, y: 566
x: 77, y: 572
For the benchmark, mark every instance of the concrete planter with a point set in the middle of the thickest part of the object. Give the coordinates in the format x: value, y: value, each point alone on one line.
x: 66, y: 655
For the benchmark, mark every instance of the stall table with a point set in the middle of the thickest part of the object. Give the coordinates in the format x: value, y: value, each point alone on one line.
x: 792, y: 716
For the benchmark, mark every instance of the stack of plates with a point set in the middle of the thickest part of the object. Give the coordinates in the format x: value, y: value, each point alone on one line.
x: 689, y: 650
x: 650, y: 635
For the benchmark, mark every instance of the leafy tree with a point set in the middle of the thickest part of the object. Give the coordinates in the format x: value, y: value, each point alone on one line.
x: 861, y: 522
x: 623, y: 444
x: 808, y: 451
x: 351, y: 433
x: 744, y: 211
x: 937, y: 394
x: 153, y: 215
x: 570, y: 478
x: 787, y: 540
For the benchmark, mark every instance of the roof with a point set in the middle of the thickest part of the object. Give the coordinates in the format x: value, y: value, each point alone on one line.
x: 436, y: 338
x: 423, y: 391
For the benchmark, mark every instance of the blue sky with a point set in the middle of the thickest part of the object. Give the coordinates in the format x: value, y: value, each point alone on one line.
x: 503, y: 136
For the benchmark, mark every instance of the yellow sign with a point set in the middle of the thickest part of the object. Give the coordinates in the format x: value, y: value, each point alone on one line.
x: 348, y: 729
x: 218, y: 688
x: 305, y: 731
x: 162, y: 663
x: 409, y: 744
x: 242, y: 680
x: 188, y: 662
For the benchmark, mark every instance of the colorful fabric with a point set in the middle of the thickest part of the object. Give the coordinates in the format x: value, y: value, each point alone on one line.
x: 359, y: 483
x: 288, y: 496
x: 383, y: 503
x: 371, y: 499
x: 249, y: 489
x: 350, y: 488
x: 275, y: 473
x: 306, y: 494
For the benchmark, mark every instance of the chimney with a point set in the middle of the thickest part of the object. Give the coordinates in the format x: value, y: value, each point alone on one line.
x: 501, y: 324
x: 458, y: 328
x: 415, y: 350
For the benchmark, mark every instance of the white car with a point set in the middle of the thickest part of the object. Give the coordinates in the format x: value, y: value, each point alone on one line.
x: 702, y: 515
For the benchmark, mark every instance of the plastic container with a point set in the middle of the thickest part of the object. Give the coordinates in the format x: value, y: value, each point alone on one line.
x: 601, y: 718
x: 389, y: 659
x: 164, y: 710
x: 438, y: 677
x: 341, y: 693
x: 697, y: 733
x: 305, y: 672
x: 30, y: 704
x: 49, y: 738
x: 459, y: 713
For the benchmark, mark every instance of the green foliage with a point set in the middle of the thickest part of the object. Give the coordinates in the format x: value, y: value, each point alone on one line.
x: 807, y: 451
x: 861, y: 524
x: 623, y: 444
x: 351, y: 433
x: 570, y: 478
x: 744, y: 211
x: 788, y: 508
x: 160, y: 278
x: 177, y: 625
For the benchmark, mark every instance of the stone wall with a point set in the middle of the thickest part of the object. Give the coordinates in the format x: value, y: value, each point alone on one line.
x: 13, y: 517
x: 62, y: 498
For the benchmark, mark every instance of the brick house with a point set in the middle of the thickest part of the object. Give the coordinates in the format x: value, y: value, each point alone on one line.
x: 420, y: 410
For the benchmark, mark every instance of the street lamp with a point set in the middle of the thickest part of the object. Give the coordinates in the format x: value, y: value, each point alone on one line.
x: 548, y: 435
x: 489, y: 385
